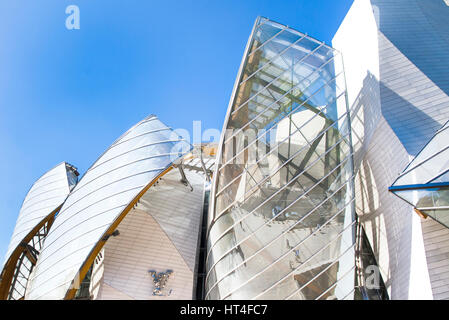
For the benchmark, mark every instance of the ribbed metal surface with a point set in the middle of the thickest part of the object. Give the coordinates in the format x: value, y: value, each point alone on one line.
x: 115, y: 179
x: 282, y: 221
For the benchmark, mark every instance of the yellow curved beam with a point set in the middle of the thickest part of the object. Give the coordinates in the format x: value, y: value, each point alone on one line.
x: 9, y: 267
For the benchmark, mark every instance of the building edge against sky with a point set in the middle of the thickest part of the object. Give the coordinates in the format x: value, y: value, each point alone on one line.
x: 287, y: 219
x: 129, y: 225
x: 39, y: 208
x: 396, y: 60
x: 282, y: 223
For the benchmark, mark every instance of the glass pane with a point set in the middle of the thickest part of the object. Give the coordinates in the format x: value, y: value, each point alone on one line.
x: 285, y: 172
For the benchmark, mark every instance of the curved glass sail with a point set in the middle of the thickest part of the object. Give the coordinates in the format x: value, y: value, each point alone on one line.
x: 282, y: 220
x: 425, y: 182
x: 36, y: 216
x: 102, y: 198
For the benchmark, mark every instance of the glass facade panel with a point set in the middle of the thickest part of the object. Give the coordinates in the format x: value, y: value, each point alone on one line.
x: 424, y: 183
x: 441, y: 215
x: 293, y: 202
x: 282, y: 197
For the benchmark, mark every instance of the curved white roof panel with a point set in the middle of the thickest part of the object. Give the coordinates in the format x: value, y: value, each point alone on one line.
x: 99, y: 199
x: 44, y: 197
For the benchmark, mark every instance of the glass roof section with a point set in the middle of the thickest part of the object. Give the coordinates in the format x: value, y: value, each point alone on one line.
x: 425, y: 181
x: 281, y: 224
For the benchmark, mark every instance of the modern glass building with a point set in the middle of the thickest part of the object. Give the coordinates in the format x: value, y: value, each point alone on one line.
x: 282, y: 222
x: 326, y: 155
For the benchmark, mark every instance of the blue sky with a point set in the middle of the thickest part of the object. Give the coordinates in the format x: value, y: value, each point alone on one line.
x: 66, y: 95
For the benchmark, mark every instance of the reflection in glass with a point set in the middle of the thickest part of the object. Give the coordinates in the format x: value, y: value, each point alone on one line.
x: 282, y: 222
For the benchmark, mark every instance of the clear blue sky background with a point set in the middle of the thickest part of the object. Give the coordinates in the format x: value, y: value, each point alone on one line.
x: 67, y: 95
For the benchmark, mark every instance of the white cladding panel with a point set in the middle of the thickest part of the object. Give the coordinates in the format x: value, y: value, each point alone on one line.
x: 106, y: 189
x: 396, y: 107
x: 46, y: 195
x: 436, y: 242
x: 360, y: 51
x: 160, y: 234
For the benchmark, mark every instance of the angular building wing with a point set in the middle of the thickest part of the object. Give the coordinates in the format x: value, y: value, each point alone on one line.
x: 425, y: 182
x: 281, y: 224
x: 155, y: 254
x: 36, y: 216
x: 395, y: 56
x: 104, y: 196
